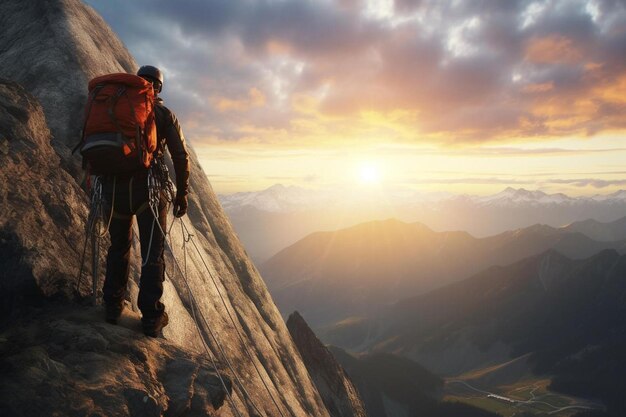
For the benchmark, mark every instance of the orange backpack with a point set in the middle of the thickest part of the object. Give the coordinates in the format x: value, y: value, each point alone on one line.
x: 119, y: 134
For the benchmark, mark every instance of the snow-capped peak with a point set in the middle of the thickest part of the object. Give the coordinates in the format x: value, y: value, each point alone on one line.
x: 281, y: 198
x: 512, y: 196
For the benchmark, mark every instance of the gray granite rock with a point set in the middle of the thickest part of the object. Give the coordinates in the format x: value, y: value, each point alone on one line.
x: 52, y: 48
x: 42, y: 207
x: 48, y: 369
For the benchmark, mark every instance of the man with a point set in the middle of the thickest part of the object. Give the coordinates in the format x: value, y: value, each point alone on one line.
x: 129, y: 196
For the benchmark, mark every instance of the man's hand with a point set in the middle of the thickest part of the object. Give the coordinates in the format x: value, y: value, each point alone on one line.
x: 180, y: 205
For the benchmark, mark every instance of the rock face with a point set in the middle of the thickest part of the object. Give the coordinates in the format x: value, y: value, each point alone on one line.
x: 337, y: 390
x: 77, y: 365
x: 51, y: 49
x: 42, y: 207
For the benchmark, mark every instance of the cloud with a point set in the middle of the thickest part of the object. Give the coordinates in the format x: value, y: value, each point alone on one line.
x: 494, y: 151
x: 469, y: 181
x: 255, y: 98
x: 577, y: 182
x: 509, y: 151
x: 463, y: 72
x: 589, y: 182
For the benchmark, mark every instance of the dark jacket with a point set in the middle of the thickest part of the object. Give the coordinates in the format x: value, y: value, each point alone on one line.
x: 170, y: 134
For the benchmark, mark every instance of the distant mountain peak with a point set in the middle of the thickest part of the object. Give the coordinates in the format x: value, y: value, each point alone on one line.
x: 517, y: 197
x: 289, y: 198
x: 277, y: 186
x: 522, y: 191
x: 619, y: 194
x: 537, y: 228
x: 600, y: 231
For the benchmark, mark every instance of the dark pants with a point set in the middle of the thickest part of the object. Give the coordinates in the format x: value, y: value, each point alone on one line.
x: 131, y: 199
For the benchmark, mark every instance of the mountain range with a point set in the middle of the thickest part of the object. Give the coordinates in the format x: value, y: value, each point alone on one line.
x: 281, y: 198
x: 561, y: 318
x: 270, y: 220
x: 363, y: 269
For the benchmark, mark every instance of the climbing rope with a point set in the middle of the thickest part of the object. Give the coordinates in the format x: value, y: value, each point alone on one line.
x: 93, y: 230
x: 192, y: 304
x: 204, y: 344
x: 214, y: 338
x: 154, y: 202
x: 241, y: 339
x: 158, y: 180
x: 200, y: 335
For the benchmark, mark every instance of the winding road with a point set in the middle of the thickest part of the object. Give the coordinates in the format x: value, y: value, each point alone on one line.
x: 532, y: 400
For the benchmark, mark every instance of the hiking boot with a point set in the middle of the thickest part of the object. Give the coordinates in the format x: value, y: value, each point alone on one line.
x: 112, y: 312
x: 153, y: 326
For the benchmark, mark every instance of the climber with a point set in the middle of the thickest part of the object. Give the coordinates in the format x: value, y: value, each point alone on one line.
x: 128, y: 193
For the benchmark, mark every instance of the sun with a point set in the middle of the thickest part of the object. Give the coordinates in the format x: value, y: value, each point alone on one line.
x: 369, y: 174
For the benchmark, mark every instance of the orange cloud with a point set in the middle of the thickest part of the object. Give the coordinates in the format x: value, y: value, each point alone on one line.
x: 255, y: 99
x: 323, y: 72
x: 538, y: 87
x: 552, y: 49
x: 615, y: 93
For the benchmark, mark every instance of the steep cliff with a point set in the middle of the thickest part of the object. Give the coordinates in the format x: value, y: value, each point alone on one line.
x: 337, y: 390
x: 42, y: 206
x: 52, y: 48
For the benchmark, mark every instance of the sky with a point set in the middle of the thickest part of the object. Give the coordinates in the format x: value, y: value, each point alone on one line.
x: 431, y: 95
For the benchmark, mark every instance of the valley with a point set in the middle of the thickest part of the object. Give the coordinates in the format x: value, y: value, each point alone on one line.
x: 531, y: 332
x: 530, y: 396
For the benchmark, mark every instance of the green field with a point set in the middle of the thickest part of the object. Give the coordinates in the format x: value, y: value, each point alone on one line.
x: 527, y: 396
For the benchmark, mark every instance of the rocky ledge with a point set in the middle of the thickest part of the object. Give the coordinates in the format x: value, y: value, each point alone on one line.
x: 66, y: 361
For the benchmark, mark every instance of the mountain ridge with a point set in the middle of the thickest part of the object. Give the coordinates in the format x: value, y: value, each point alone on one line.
x: 602, y: 231
x: 361, y: 269
x: 545, y: 317
x: 507, y: 195
x: 271, y: 225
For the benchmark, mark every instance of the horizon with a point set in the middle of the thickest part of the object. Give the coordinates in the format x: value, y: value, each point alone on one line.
x: 466, y: 98
x: 366, y: 189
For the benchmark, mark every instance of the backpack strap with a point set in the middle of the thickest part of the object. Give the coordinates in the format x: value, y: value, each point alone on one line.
x: 92, y: 96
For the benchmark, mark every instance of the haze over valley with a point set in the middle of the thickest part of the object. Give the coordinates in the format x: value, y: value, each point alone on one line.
x: 526, y: 317
x: 270, y: 220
